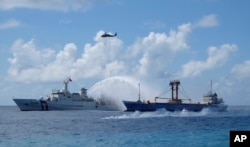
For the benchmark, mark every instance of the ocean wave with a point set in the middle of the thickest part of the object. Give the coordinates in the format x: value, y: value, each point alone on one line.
x: 159, y: 113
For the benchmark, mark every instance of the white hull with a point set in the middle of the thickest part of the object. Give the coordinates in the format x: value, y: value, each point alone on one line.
x: 36, y: 105
x: 218, y: 107
x: 64, y: 100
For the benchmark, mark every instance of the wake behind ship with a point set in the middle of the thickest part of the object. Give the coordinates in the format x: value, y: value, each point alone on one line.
x: 64, y: 100
x: 209, y: 100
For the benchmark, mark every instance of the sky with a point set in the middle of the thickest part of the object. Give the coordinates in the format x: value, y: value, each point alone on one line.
x: 42, y: 43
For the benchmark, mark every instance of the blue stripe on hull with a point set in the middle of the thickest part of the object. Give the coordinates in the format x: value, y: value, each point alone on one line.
x: 139, y: 106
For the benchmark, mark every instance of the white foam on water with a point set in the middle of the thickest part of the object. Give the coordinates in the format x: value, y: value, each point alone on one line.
x: 159, y: 113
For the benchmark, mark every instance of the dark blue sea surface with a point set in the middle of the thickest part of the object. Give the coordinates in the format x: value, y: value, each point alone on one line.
x: 114, y: 128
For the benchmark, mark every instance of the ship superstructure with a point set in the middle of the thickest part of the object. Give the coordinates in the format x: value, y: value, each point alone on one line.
x: 175, y: 103
x: 65, y: 100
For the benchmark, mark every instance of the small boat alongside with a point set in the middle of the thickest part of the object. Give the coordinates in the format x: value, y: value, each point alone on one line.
x: 65, y: 100
x: 209, y: 100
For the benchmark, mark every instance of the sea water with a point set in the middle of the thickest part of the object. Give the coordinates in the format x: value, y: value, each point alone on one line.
x: 116, y: 128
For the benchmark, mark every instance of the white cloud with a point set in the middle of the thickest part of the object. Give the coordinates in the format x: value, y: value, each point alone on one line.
x: 27, y: 55
x: 157, y: 49
x: 103, y: 59
x: 241, y: 71
x: 217, y: 56
x: 30, y: 64
x: 95, y: 58
x: 175, y: 41
x: 10, y: 23
x: 235, y: 85
x: 61, y: 5
x: 207, y: 21
x: 147, y: 57
x: 114, y: 68
x: 61, y: 66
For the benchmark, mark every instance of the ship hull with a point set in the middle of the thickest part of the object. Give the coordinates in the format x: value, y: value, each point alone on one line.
x: 196, y: 107
x: 28, y: 104
x: 39, y: 105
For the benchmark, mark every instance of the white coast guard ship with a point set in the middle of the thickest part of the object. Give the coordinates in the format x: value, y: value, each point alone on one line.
x: 64, y: 100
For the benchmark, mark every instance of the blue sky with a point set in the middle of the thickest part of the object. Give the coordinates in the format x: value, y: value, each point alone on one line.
x: 44, y: 42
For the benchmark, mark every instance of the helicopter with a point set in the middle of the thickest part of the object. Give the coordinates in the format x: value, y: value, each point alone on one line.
x: 108, y: 35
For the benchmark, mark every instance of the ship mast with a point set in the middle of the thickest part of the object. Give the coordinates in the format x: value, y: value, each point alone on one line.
x: 211, y: 87
x: 66, y: 84
x: 139, y: 96
x: 175, y: 87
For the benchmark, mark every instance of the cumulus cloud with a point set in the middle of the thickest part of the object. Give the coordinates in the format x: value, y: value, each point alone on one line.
x: 157, y: 49
x: 30, y: 64
x: 114, y: 68
x: 10, y: 23
x: 241, y: 71
x: 148, y: 56
x: 235, y: 85
x: 60, y: 5
x: 216, y: 56
x: 26, y: 55
x: 239, y: 77
x: 207, y: 21
x: 102, y: 59
x: 95, y: 58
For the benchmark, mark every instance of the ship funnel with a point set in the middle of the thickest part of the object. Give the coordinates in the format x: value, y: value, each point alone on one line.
x: 83, y: 93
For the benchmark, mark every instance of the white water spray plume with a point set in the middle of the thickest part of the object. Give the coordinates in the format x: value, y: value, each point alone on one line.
x: 118, y: 88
